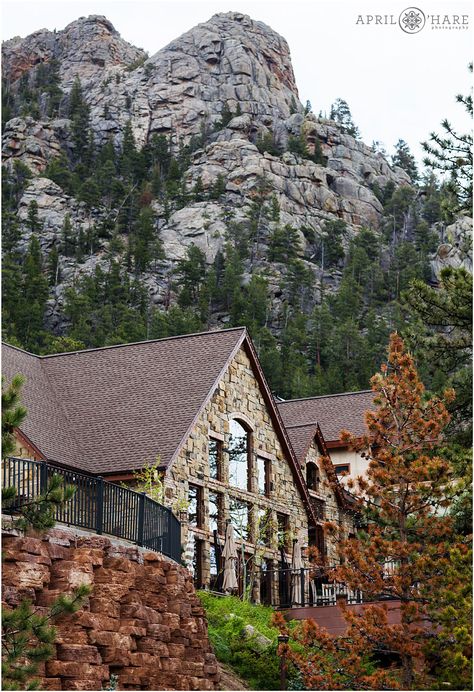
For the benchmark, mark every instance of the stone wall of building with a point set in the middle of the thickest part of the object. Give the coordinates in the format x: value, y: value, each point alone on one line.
x: 142, y: 622
x: 238, y: 396
x: 333, y: 512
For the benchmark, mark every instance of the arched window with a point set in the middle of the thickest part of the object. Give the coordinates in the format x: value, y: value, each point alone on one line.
x: 312, y: 476
x: 239, y: 456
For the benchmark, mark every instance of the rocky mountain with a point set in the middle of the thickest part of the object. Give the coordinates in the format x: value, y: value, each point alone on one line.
x: 253, y: 160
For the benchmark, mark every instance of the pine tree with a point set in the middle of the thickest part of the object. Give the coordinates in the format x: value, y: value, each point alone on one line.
x: 405, y: 159
x: 13, y: 413
x: 34, y: 224
x: 451, y: 153
x: 403, y: 528
x: 341, y: 114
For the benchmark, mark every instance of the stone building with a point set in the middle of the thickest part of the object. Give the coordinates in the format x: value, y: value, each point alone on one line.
x: 333, y: 413
x: 198, y: 410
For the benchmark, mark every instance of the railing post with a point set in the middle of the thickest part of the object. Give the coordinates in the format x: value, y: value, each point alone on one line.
x: 99, y: 506
x: 141, y: 517
x: 43, y: 476
x: 302, y: 587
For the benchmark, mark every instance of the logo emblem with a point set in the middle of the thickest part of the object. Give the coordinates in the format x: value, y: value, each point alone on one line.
x: 412, y: 20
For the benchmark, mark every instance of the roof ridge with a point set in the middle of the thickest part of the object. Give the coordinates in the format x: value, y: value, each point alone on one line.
x: 22, y: 350
x: 323, y: 396
x: 131, y: 343
x: 303, y: 425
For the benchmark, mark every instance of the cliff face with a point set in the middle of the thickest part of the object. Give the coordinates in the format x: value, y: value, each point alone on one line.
x: 222, y: 87
x: 143, y: 621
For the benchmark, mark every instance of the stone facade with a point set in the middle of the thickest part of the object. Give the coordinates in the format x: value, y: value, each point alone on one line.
x: 238, y: 396
x: 142, y: 622
x: 331, y: 510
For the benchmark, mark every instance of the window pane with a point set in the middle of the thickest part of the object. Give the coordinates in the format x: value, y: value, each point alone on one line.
x: 238, y: 456
x: 264, y: 527
x: 215, y: 513
x: 262, y: 468
x: 193, y: 506
x: 239, y: 517
x: 282, y: 521
x: 214, y: 458
x: 341, y: 469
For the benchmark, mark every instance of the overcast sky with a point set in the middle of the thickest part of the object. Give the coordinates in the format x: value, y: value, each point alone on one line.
x: 397, y: 85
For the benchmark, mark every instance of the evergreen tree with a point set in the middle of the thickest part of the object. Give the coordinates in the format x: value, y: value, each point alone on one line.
x: 451, y: 153
x: 33, y: 221
x: 341, y: 114
x: 405, y: 159
x: 283, y: 244
x: 13, y: 413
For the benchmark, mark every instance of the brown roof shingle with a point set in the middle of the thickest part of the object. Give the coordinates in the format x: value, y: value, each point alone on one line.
x: 115, y: 408
x: 333, y: 413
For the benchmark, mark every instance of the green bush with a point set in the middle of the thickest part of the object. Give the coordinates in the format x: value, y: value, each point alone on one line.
x: 227, y: 616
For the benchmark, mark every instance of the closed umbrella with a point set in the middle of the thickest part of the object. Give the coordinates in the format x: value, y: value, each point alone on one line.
x: 229, y: 554
x: 296, y: 566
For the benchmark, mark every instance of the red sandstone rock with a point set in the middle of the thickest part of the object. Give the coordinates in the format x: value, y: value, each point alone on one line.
x: 86, y: 555
x: 104, y: 605
x: 74, y: 669
x: 115, y: 657
x: 115, y: 639
x: 96, y: 621
x: 152, y: 646
x: 25, y: 574
x: 79, y: 653
x: 143, y: 621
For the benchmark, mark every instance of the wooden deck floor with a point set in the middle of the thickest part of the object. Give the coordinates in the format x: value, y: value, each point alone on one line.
x: 332, y: 619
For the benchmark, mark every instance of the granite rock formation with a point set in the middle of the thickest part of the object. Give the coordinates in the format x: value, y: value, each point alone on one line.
x: 230, y: 63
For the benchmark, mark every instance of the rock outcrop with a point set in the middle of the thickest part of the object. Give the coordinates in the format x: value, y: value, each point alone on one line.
x: 83, y: 49
x: 228, y: 65
x: 143, y: 621
x: 456, y: 247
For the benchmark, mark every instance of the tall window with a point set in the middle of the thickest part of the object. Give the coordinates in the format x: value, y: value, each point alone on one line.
x: 195, y: 517
x: 239, y: 516
x: 214, y: 567
x: 264, y: 527
x: 312, y: 476
x: 196, y: 568
x: 283, y: 528
x: 263, y: 470
x: 316, y: 538
x: 239, y: 448
x: 216, y: 522
x: 215, y: 459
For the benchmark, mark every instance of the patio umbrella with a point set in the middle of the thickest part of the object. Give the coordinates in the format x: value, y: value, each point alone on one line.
x: 229, y: 554
x: 296, y: 566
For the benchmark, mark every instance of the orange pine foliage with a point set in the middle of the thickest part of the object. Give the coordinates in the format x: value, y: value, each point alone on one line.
x: 402, y: 550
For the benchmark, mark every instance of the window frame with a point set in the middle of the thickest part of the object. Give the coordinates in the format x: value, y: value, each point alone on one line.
x: 342, y: 473
x: 247, y: 536
x: 220, y: 512
x: 199, y: 506
x: 219, y: 458
x: 249, y: 451
x: 267, y: 470
x: 286, y: 530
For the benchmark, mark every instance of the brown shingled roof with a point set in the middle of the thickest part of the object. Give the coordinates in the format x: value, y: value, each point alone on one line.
x: 333, y: 413
x: 113, y: 409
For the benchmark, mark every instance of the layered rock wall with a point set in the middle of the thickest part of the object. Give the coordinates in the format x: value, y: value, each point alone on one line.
x: 143, y: 621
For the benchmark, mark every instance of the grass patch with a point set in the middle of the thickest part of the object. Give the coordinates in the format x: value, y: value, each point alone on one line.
x: 227, y: 617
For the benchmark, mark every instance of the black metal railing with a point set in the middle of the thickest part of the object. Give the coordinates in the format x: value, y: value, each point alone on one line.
x: 97, y: 505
